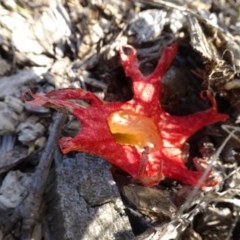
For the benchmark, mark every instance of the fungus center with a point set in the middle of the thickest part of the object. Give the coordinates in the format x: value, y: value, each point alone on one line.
x: 130, y: 128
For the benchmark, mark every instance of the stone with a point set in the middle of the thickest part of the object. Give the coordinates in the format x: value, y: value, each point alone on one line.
x: 14, y: 189
x: 30, y: 130
x: 84, y: 202
x: 11, y: 85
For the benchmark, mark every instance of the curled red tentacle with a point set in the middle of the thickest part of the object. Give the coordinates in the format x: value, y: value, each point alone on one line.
x: 206, y: 94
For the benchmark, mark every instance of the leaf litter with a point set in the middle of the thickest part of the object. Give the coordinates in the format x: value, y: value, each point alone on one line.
x: 208, y: 36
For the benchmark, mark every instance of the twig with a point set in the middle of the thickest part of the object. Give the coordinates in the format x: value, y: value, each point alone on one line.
x: 32, y: 205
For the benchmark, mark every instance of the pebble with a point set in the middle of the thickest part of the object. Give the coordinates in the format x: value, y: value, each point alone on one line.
x: 14, y: 103
x: 13, y: 189
x: 147, y: 25
x: 30, y: 130
x: 8, y: 121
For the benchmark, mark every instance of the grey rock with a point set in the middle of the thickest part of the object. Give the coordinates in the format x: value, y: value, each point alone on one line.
x: 11, y: 85
x: 8, y: 121
x: 28, y: 132
x: 147, y: 25
x: 85, y: 203
x: 41, y: 30
x: 10, y: 109
x: 13, y: 189
x: 14, y: 103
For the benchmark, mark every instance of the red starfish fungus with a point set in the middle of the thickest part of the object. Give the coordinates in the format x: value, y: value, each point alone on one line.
x: 137, y: 136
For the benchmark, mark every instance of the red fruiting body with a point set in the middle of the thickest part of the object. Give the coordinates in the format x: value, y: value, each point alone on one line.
x: 137, y: 136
